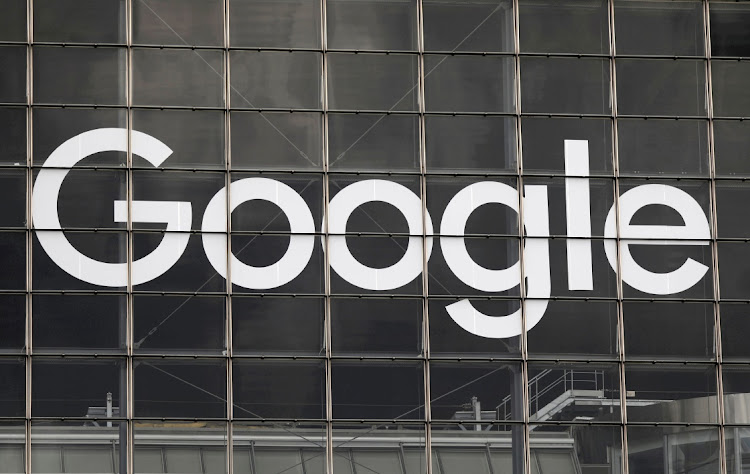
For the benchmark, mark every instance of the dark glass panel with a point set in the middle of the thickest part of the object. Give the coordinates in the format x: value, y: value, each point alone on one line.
x: 72, y: 323
x: 195, y: 137
x: 180, y: 388
x: 564, y: 27
x: 80, y: 21
x: 565, y: 85
x: 276, y: 79
x: 79, y: 75
x: 179, y: 22
x: 75, y: 387
x: 178, y: 77
x: 659, y: 27
x: 274, y: 23
x: 372, y: 24
x: 661, y: 87
x: 277, y: 325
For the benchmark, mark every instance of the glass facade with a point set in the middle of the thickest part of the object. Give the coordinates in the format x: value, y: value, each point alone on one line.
x: 374, y: 236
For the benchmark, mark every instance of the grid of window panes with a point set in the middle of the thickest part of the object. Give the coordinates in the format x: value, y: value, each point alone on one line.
x: 192, y: 372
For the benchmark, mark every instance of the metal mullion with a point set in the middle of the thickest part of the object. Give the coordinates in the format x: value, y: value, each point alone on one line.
x: 524, y: 378
x: 127, y: 405
x: 618, y: 271
x: 425, y: 250
x: 29, y: 187
x: 228, y: 322
x: 326, y: 243
x: 714, y: 242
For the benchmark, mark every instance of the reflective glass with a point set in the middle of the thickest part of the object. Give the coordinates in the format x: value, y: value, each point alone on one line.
x: 267, y: 249
x: 735, y: 324
x: 13, y: 260
x: 449, y: 340
x: 306, y: 455
x: 195, y: 189
x: 54, y: 126
x: 467, y: 143
x: 677, y: 393
x: 550, y: 385
x: 487, y: 219
x: 377, y: 390
x: 177, y: 388
x: 559, y: 27
x: 179, y: 22
x: 649, y: 330
x: 80, y: 21
x: 378, y: 326
x: 12, y: 75
x: 735, y: 382
x: 13, y: 21
x: 671, y: 147
x: 191, y: 273
x: 178, y: 77
x: 456, y: 388
x: 733, y: 271
x: 75, y: 75
x: 12, y: 322
x: 590, y: 329
x: 78, y: 323
x: 373, y: 142
x: 97, y: 449
x: 109, y: 247
x: 13, y: 135
x: 469, y: 83
x: 372, y: 82
x: 276, y: 140
x: 280, y: 325
x: 565, y: 85
x: 13, y: 387
x: 731, y: 145
x: 731, y: 98
x: 543, y: 141
x: 372, y: 24
x: 12, y: 193
x: 195, y: 137
x: 278, y: 389
x: 180, y: 447
x: 276, y: 79
x: 455, y: 25
x: 181, y: 324
x: 661, y: 87
x: 274, y: 23
x: 86, y: 197
x: 729, y: 22
x: 75, y: 387
x: 258, y: 215
x: 659, y: 27
x: 730, y: 212
x: 688, y: 448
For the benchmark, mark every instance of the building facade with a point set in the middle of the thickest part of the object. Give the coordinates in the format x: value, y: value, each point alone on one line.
x: 374, y: 236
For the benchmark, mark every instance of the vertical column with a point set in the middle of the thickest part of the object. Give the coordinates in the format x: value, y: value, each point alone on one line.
x: 228, y: 300
x: 29, y: 185
x: 326, y: 253
x: 126, y: 378
x: 521, y: 453
x: 714, y: 245
x: 615, y: 168
x: 425, y: 251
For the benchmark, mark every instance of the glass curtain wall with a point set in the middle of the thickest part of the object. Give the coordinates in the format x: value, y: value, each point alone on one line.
x: 359, y: 363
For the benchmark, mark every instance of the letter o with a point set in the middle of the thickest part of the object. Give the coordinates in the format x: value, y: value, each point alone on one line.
x: 300, y: 222
x: 341, y: 259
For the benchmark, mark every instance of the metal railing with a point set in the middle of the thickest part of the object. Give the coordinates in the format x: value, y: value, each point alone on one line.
x: 549, y: 384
